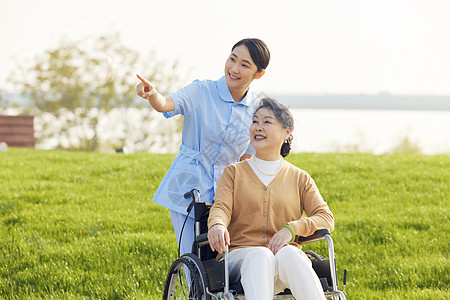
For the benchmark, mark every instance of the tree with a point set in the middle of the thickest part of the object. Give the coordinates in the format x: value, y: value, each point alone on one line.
x: 89, y: 78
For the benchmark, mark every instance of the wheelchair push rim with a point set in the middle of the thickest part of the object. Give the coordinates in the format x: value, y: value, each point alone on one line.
x: 186, y: 279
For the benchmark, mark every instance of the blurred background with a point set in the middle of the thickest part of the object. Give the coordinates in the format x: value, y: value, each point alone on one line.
x: 364, y: 76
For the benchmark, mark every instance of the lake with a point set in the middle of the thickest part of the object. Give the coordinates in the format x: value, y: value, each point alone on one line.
x: 374, y: 131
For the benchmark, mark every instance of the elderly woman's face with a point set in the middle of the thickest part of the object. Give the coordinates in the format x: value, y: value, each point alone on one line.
x: 266, y: 132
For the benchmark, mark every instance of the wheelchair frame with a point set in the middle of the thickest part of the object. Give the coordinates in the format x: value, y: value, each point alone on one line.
x: 198, y: 275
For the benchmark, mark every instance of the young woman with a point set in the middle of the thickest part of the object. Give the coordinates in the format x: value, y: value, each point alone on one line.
x: 258, y: 210
x: 217, y: 117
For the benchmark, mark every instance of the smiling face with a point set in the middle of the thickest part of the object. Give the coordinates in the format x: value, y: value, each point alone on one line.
x: 267, y: 134
x: 240, y: 71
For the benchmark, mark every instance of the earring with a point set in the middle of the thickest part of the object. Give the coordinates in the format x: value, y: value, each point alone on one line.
x: 289, y: 138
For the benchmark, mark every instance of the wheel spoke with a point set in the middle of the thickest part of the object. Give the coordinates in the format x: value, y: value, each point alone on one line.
x: 186, y: 280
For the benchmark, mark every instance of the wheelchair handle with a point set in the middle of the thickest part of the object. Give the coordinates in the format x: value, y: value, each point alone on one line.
x: 194, y: 194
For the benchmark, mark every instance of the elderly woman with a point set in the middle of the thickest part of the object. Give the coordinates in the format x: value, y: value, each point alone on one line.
x: 258, y: 211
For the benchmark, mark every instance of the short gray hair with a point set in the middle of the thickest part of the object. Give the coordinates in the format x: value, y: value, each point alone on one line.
x: 284, y: 116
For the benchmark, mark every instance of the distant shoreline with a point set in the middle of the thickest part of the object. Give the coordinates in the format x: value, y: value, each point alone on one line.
x: 379, y: 102
x: 350, y: 102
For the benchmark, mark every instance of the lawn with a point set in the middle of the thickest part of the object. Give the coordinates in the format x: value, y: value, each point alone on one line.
x: 77, y: 225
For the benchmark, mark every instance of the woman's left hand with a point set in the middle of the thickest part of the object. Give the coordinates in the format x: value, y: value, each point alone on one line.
x: 279, y: 239
x: 218, y: 237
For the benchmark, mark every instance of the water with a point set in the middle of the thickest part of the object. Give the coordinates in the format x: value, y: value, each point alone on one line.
x: 374, y: 131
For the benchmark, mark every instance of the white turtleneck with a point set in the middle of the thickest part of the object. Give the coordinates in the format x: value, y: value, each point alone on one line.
x: 267, y: 166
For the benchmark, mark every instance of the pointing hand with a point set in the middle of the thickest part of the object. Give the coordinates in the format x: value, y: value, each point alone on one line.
x: 145, y: 89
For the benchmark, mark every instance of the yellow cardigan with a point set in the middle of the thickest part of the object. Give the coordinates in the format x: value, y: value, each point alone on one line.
x: 253, y: 212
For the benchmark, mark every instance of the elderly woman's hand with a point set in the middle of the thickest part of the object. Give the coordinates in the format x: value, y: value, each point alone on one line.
x: 279, y: 239
x: 218, y: 237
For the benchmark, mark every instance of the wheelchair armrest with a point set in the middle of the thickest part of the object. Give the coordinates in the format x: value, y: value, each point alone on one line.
x: 202, y: 239
x: 318, y: 235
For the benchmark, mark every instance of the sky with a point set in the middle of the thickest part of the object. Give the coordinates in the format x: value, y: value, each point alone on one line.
x: 400, y: 47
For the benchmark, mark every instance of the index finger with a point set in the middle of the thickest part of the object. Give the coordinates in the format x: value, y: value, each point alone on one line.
x: 142, y: 79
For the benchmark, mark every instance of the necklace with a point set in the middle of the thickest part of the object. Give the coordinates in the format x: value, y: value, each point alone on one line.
x: 267, y: 174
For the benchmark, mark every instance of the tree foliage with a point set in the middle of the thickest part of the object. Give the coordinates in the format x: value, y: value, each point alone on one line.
x: 89, y: 78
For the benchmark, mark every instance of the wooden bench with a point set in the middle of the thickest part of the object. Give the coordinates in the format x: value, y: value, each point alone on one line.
x: 17, y: 131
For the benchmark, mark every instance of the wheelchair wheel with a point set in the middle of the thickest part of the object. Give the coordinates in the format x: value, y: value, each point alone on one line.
x: 186, y: 279
x: 314, y: 256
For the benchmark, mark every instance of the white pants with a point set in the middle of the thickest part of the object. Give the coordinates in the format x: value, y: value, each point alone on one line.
x: 188, y: 232
x: 263, y: 274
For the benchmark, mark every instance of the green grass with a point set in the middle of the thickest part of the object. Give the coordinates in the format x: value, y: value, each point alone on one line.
x: 82, y: 225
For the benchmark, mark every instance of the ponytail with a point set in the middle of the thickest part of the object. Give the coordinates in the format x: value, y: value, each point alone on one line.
x: 286, y: 147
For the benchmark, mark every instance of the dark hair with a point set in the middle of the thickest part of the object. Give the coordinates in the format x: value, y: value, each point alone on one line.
x: 259, y: 52
x: 284, y: 116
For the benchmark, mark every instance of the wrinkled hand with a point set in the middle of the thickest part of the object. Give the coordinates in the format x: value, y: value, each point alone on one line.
x: 144, y: 88
x: 218, y: 237
x: 279, y: 239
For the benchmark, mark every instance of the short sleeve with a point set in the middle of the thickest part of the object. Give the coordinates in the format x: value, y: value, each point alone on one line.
x: 184, y: 99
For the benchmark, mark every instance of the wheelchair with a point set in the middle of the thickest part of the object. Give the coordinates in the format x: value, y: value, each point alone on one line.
x: 198, y: 275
